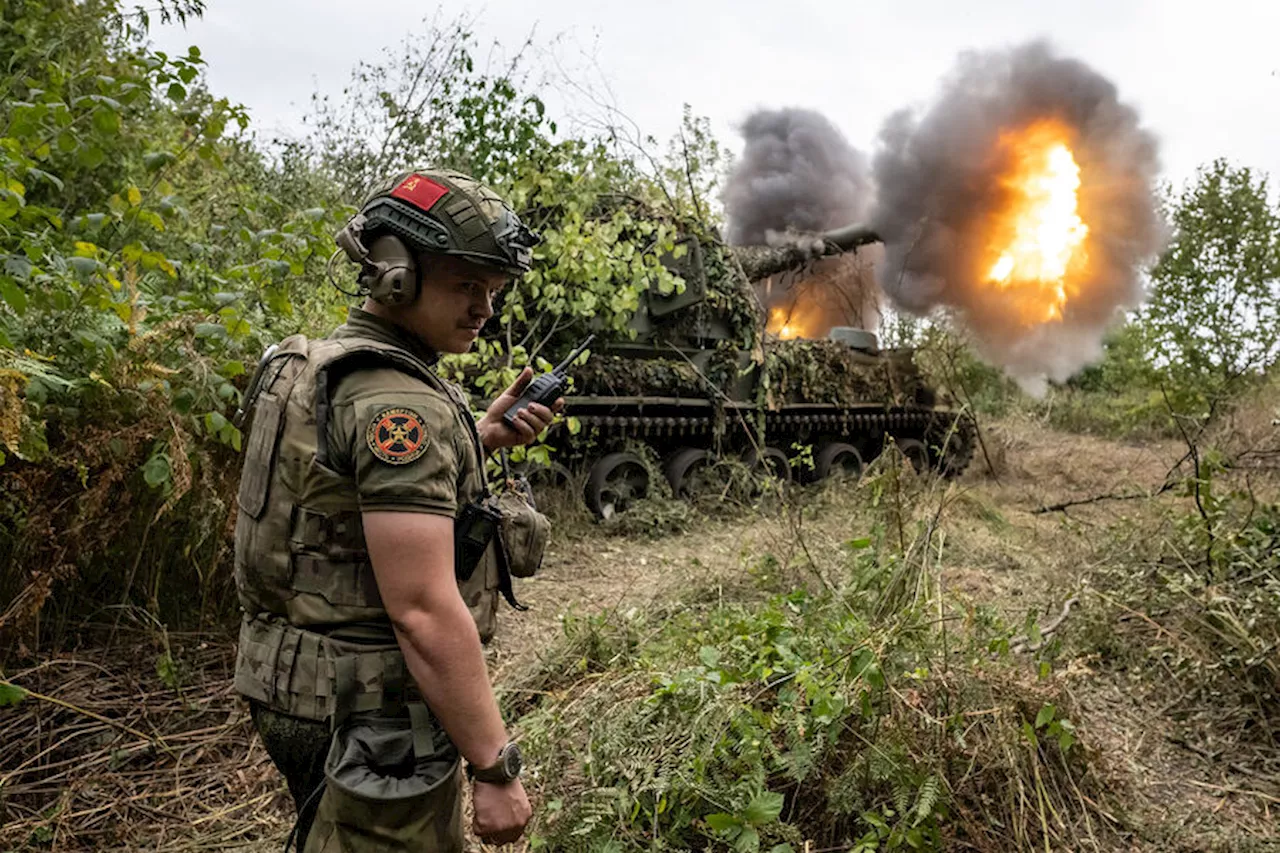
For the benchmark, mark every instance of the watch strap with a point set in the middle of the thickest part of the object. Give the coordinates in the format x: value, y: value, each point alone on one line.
x: 497, y: 773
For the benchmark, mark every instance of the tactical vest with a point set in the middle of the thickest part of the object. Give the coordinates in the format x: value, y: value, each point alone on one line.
x: 316, y: 641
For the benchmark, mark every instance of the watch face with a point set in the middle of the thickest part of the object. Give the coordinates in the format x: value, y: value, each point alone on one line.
x: 512, y: 761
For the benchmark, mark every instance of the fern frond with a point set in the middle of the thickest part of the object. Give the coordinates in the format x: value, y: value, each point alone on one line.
x: 930, y: 791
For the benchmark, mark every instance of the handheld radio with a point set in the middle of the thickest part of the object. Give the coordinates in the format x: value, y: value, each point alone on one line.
x: 544, y: 389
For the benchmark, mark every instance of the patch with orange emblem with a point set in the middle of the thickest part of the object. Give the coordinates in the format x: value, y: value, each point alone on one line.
x: 396, y: 436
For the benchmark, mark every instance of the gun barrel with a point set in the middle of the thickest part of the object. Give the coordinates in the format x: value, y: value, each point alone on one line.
x: 562, y: 366
x: 851, y: 236
x: 762, y: 261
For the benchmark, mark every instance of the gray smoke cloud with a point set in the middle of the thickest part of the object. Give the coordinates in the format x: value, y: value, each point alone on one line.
x: 938, y: 184
x: 797, y: 172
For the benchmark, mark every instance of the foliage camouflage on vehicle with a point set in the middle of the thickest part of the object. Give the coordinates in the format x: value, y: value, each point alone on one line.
x: 832, y: 372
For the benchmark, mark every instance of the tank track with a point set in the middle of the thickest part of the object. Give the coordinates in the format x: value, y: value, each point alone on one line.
x: 933, y: 426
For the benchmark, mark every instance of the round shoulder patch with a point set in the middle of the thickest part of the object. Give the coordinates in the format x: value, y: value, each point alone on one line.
x: 396, y: 436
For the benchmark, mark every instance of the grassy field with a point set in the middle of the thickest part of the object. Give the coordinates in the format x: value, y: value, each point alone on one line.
x: 897, y: 663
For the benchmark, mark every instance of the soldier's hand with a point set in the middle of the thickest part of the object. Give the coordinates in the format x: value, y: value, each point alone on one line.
x: 501, y: 811
x: 531, y: 421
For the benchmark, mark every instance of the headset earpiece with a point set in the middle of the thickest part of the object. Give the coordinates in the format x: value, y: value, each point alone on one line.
x: 348, y: 240
x: 396, y: 279
x: 387, y: 268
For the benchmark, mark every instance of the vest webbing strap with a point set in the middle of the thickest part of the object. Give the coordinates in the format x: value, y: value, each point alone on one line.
x: 286, y: 657
x: 424, y: 729
x: 345, y: 689
x: 504, y: 573
x: 315, y: 677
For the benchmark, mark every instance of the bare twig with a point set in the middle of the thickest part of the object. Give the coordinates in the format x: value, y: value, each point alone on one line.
x: 1193, y: 449
x: 688, y: 173
x: 155, y: 741
x: 1230, y: 790
x: 1217, y: 756
x: 1125, y: 496
x: 958, y: 382
x: 1022, y: 643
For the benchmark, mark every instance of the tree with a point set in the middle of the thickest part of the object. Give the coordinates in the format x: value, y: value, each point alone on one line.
x: 150, y: 247
x: 143, y: 263
x: 1214, y: 314
x: 427, y: 102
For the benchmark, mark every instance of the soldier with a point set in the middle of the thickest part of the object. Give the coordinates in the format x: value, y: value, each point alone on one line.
x: 360, y: 648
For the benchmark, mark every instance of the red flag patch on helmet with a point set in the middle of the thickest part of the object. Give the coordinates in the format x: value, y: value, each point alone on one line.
x: 421, y: 192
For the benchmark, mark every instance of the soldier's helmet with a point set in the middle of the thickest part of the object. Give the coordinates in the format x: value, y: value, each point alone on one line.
x: 447, y: 212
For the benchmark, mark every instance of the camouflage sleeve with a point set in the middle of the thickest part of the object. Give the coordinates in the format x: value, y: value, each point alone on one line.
x: 399, y: 437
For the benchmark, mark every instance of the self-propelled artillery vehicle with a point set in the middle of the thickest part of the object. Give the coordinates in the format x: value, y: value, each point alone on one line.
x: 702, y: 379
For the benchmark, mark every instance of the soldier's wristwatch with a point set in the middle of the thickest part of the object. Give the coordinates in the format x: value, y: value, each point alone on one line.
x: 505, y: 770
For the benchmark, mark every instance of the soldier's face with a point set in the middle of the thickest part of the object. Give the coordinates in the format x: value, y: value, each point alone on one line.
x: 456, y: 300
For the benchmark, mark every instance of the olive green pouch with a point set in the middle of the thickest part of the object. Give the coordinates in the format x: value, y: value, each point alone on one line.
x: 391, y: 784
x: 524, y: 533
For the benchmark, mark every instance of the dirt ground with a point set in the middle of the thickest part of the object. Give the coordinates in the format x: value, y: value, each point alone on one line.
x: 1003, y: 550
x: 1000, y: 551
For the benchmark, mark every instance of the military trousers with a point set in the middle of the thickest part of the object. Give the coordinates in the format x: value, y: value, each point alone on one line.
x: 377, y: 784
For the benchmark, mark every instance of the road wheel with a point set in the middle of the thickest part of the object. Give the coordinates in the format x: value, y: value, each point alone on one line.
x: 683, y: 469
x: 838, y: 459
x: 768, y: 460
x: 916, y: 453
x: 615, y: 482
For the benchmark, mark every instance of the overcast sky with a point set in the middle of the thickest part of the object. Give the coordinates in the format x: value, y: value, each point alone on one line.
x: 1204, y: 74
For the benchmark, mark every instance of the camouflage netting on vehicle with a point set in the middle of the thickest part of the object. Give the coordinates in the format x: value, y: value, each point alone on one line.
x: 616, y: 376
x: 762, y: 261
x: 729, y: 298
x: 800, y: 370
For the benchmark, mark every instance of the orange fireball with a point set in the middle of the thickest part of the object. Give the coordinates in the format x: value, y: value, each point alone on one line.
x: 780, y: 324
x: 1037, y: 243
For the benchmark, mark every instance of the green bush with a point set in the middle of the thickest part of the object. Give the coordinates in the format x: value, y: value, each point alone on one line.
x: 1127, y: 414
x: 143, y: 265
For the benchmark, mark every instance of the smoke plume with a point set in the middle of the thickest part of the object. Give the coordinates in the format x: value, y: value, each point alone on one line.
x: 797, y: 172
x: 938, y: 181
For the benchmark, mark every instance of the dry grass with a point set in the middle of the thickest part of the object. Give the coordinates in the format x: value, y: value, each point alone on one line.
x: 1188, y: 797
x: 102, y: 755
